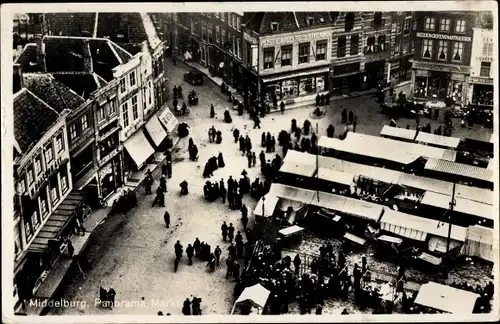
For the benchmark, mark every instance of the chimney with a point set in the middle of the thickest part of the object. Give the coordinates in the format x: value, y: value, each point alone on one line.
x: 87, y: 57
x: 17, y: 78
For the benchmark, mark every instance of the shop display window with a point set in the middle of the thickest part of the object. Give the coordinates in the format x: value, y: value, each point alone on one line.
x: 455, y: 90
x: 290, y: 88
x: 320, y: 83
x: 272, y: 88
x: 307, y: 86
x: 482, y: 95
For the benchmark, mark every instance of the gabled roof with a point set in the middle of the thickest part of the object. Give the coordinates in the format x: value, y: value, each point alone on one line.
x: 83, y: 83
x: 66, y: 54
x: 32, y: 118
x: 126, y: 29
x: 51, y: 91
x: 260, y: 22
x: 28, y: 59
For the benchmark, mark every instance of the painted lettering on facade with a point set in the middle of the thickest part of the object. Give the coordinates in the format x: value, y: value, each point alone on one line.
x: 446, y: 37
x: 290, y: 39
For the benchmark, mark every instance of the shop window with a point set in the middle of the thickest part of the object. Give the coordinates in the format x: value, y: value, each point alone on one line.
x: 485, y: 69
x: 321, y: 48
x: 125, y: 115
x: 320, y: 83
x: 304, y: 49
x: 349, y: 22
x: 235, y: 21
x: 123, y: 85
x: 406, y: 46
x: 100, y: 114
x: 460, y: 26
x: 397, y: 48
x: 54, y: 194
x: 458, y: 49
x: 21, y: 187
x: 64, y: 183
x: 427, y: 48
x: 204, y: 30
x: 444, y: 25
x: 43, y: 206
x: 341, y: 46
x: 286, y: 55
x: 381, y: 43
x: 406, y: 29
x: 370, y: 45
x: 85, y: 122
x: 289, y: 88
x: 35, y: 221
x: 268, y: 58
x: 442, y: 50
x: 274, y: 26
x: 229, y: 19
x: 430, y: 23
x: 49, y: 153
x: 133, y: 81
x: 223, y: 36
x: 238, y: 50
x: 310, y: 21
x: 72, y: 131
x: 38, y: 165
x: 135, y: 113
x: 307, y: 86
x: 217, y: 34
x: 354, y: 45
x: 27, y: 230
x: 30, y: 176
x: 238, y: 23
x: 398, y: 27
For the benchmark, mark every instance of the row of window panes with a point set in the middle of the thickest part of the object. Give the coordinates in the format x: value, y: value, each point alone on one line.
x: 132, y: 81
x: 84, y: 121
x: 135, y: 112
x: 442, y: 52
x: 406, y: 27
x: 304, y: 53
x: 485, y: 69
x: 406, y: 47
x: 49, y: 157
x: 101, y: 111
x: 488, y: 49
x: 342, y: 43
x: 444, y: 24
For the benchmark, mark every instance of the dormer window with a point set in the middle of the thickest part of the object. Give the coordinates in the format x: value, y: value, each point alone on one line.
x: 275, y: 26
x: 310, y: 21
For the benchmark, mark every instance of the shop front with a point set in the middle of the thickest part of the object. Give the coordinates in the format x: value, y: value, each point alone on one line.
x: 482, y: 92
x: 374, y: 74
x: 109, y: 177
x: 345, y: 78
x: 289, y: 86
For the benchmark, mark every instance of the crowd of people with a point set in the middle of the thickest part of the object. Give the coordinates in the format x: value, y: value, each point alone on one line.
x: 192, y: 307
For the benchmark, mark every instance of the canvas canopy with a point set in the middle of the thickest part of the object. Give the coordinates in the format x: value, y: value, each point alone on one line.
x: 255, y: 295
x: 156, y: 130
x: 446, y: 299
x: 462, y: 205
x: 139, y: 148
x: 479, y: 243
x: 288, y: 231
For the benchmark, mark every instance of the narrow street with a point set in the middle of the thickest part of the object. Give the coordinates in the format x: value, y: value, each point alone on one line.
x: 135, y: 253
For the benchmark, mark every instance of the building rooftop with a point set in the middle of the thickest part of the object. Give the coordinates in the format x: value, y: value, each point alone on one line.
x: 125, y: 29
x: 82, y: 54
x: 28, y: 59
x: 51, y: 91
x: 32, y: 118
x: 83, y: 83
x: 260, y: 22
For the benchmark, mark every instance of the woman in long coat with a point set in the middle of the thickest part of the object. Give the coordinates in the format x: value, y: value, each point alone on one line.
x: 220, y: 160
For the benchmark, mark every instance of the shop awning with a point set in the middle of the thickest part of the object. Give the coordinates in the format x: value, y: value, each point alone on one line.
x: 480, y: 243
x: 256, y: 295
x: 354, y: 238
x: 459, y: 169
x: 139, y: 148
x: 290, y: 230
x: 296, y: 74
x: 300, y: 157
x: 336, y: 176
x: 155, y: 130
x: 465, y: 206
x: 57, y: 222
x: 299, y: 169
x: 362, y: 209
x: 266, y: 208
x: 439, y: 244
x: 422, y: 137
x: 446, y: 298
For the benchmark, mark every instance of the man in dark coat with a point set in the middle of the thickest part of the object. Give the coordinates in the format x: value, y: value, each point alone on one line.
x: 242, y: 144
x: 148, y: 183
x: 197, y: 247
x: 212, y: 111
x: 344, y: 115
x: 190, y: 253
x: 236, y: 271
x: 262, y: 158
x: 223, y: 193
x: 330, y: 131
x: 282, y: 106
x: 296, y: 263
x: 224, y: 230
x: 230, y: 265
x: 244, y: 216
x: 217, y: 253
x: 166, y: 218
x: 186, y: 307
x: 230, y: 232
x: 236, y: 135
x: 256, y: 122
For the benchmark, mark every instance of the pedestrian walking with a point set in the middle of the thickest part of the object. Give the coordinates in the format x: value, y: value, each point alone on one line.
x: 344, y: 115
x: 230, y: 233
x: 236, y: 135
x: 296, y: 263
x: 224, y: 229
x: 256, y: 122
x: 166, y: 218
x: 262, y: 158
x: 249, y: 159
x: 254, y: 159
x: 229, y: 264
x: 282, y: 107
x: 212, y: 111
x: 236, y: 271
x: 190, y: 253
x: 217, y: 253
x: 197, y: 247
x: 223, y: 193
x: 186, y: 307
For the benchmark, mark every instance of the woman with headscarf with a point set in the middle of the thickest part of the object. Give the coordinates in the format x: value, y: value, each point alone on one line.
x: 227, y: 116
x: 220, y: 161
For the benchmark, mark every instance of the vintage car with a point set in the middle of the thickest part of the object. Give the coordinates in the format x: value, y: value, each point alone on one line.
x: 194, y: 77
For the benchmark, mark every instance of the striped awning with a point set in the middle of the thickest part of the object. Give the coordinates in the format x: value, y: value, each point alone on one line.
x: 465, y: 170
x: 57, y: 222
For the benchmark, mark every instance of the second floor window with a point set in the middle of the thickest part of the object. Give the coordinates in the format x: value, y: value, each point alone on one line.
x: 406, y: 29
x: 341, y: 46
x: 49, y: 154
x: 112, y: 107
x: 268, y: 58
x: 43, y: 205
x: 430, y: 23
x: 100, y: 113
x: 35, y: 221
x: 133, y: 81
x: 85, y: 122
x: 59, y: 143
x: 304, y: 53
x: 460, y: 26
x: 72, y: 131
x: 349, y: 21
x: 321, y: 47
x: 444, y: 25
x: 54, y: 195
x: 485, y: 69
x: 398, y: 27
x: 381, y: 43
x: 286, y: 55
x: 38, y: 166
x: 487, y: 49
x: 135, y: 113
x: 125, y: 115
x: 442, y: 50
x: 217, y: 34
x: 123, y: 85
x: 64, y: 183
x: 427, y: 48
x: 354, y: 45
x: 458, y: 49
x: 406, y: 46
x: 30, y: 175
x: 209, y: 32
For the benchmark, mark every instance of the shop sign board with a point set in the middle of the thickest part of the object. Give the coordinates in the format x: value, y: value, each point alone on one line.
x: 291, y: 39
x: 445, y: 37
x: 250, y: 39
x: 478, y: 80
x: 458, y: 77
x: 422, y: 73
x: 169, y: 120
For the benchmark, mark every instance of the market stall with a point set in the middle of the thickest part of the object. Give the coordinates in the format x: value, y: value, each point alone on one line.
x: 446, y: 299
x: 255, y: 296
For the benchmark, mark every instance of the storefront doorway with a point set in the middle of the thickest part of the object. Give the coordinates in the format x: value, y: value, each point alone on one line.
x: 482, y: 94
x: 374, y: 73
